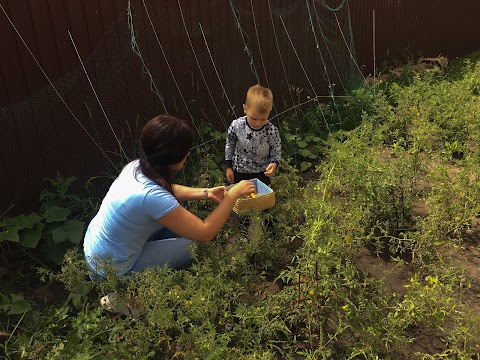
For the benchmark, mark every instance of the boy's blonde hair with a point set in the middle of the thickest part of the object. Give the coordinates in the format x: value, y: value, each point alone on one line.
x: 260, y: 98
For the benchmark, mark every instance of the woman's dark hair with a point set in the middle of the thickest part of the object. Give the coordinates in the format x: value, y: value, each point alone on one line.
x: 165, y: 140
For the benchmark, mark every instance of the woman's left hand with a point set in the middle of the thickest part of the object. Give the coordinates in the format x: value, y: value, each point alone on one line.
x: 215, y: 194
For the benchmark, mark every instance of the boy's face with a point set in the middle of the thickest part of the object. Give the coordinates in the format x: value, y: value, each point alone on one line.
x: 255, y: 118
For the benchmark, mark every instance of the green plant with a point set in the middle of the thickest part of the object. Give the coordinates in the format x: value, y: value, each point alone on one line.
x: 453, y: 150
x: 205, y: 165
x: 305, y: 149
x: 53, y: 226
x: 57, y: 227
x: 14, y: 304
x: 453, y: 202
x: 73, y: 275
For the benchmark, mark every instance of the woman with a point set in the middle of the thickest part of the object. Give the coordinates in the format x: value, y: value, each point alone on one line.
x: 137, y: 221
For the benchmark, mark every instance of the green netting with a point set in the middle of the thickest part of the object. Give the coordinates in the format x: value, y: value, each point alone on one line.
x: 291, y: 47
x: 194, y: 60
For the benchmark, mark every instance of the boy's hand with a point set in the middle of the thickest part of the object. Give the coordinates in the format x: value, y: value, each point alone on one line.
x: 270, y: 169
x: 230, y: 177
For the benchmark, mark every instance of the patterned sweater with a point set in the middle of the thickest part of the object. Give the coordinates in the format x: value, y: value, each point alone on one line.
x: 249, y: 150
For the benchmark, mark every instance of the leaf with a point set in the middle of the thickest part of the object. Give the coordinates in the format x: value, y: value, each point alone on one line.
x: 56, y: 213
x: 71, y: 230
x: 218, y: 173
x: 216, y: 134
x: 305, y: 165
x: 307, y: 153
x: 15, y: 304
x: 4, y: 302
x: 302, y: 144
x: 30, y: 237
x: 77, y: 300
x: 10, y: 234
x: 19, y: 308
x: 31, y: 220
x: 289, y: 137
x: 310, y: 138
x: 56, y: 252
x: 13, y: 222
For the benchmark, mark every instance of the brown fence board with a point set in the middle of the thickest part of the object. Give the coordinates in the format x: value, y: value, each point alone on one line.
x: 107, y: 18
x: 28, y: 131
x: 63, y: 45
x: 21, y: 17
x: 408, y: 29
x: 41, y: 137
x: 86, y: 37
x: 14, y: 171
x: 45, y: 39
x: 17, y: 172
x: 110, y: 15
x: 48, y: 127
x: 10, y: 61
x: 6, y: 181
x: 67, y: 61
x: 73, y: 135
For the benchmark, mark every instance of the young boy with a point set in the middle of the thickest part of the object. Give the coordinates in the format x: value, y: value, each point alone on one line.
x: 253, y: 146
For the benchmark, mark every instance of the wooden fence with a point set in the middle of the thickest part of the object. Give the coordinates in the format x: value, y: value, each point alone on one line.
x: 78, y: 78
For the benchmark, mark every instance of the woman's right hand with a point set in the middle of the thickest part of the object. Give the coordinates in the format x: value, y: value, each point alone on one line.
x: 244, y: 187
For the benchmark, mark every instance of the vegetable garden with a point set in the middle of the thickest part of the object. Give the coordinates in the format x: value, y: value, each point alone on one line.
x: 372, y: 250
